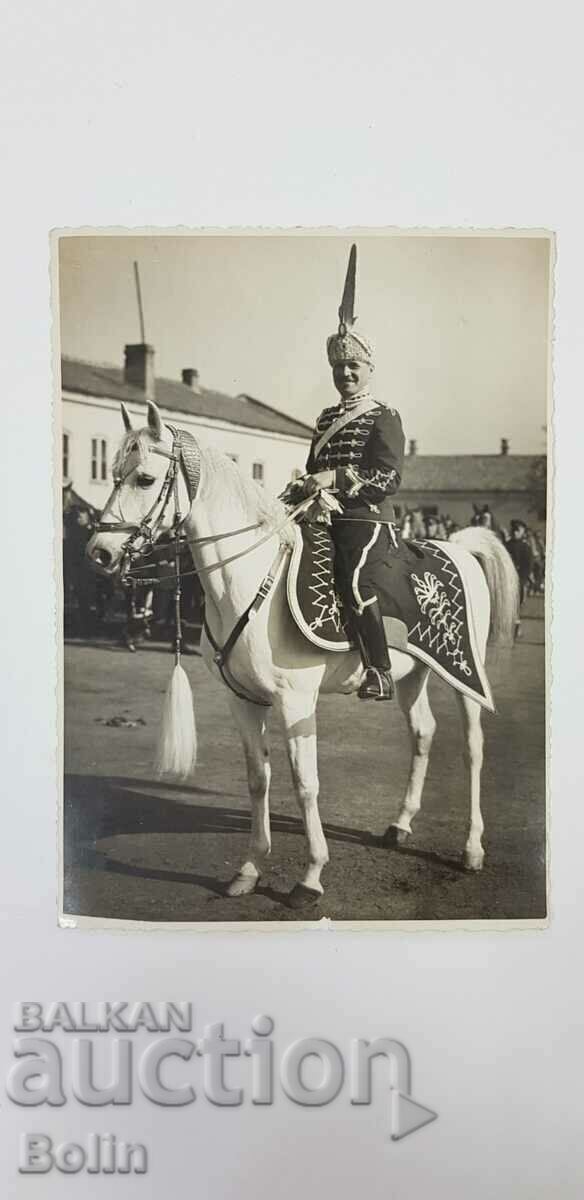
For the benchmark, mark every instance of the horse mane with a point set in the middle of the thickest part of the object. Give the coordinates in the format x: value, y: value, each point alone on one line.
x: 221, y: 473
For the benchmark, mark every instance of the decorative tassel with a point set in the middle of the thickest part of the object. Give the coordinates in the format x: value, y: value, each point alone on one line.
x: 177, y: 747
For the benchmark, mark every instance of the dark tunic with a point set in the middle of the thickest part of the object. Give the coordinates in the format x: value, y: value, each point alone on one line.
x: 372, y: 447
x: 522, y: 556
x: 367, y: 458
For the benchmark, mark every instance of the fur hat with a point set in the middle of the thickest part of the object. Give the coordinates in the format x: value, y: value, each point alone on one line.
x: 347, y: 345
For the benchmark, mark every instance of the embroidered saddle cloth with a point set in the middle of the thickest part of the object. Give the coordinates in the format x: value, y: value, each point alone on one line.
x: 423, y: 600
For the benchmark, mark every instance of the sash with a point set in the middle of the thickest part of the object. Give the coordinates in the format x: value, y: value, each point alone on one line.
x: 363, y: 406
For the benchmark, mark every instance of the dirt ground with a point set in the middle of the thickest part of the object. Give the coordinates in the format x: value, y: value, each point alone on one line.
x: 140, y: 849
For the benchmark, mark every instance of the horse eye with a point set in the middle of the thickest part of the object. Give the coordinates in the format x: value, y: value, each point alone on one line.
x: 145, y: 481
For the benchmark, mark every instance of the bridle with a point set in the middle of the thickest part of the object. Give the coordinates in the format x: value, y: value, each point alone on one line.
x: 185, y: 458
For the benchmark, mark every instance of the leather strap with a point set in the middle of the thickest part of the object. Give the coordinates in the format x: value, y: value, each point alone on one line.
x: 364, y: 406
x: 221, y: 653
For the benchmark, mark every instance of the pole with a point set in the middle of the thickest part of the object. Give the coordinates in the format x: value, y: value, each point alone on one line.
x: 140, y: 309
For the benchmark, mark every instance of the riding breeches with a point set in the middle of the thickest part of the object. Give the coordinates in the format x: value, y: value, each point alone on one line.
x: 362, y: 548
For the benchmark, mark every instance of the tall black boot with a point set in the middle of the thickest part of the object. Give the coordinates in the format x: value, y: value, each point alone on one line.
x: 377, y: 683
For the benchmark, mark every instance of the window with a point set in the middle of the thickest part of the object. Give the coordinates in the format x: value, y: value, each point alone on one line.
x: 66, y: 447
x: 98, y: 459
x: 257, y: 472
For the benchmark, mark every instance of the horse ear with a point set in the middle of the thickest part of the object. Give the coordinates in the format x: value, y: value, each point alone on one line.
x: 154, y: 421
x: 126, y: 418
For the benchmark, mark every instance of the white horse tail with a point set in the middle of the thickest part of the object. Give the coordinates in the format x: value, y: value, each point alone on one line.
x: 501, y: 576
x: 177, y: 745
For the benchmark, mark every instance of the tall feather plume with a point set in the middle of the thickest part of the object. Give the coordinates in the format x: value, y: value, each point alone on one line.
x: 347, y: 316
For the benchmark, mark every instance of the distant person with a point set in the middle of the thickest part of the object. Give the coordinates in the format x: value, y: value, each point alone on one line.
x: 406, y: 527
x: 537, y: 581
x: 520, y: 551
x: 418, y: 523
x: 191, y: 591
x: 77, y: 579
x: 138, y: 615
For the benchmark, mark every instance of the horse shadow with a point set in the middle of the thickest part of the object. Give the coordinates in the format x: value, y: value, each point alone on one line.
x: 97, y: 808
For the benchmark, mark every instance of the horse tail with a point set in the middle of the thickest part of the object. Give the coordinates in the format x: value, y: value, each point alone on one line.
x: 177, y: 745
x: 501, y: 576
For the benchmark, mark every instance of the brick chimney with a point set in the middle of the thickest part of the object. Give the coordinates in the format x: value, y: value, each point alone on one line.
x: 139, y: 368
x: 504, y: 446
x: 190, y: 378
x: 413, y: 448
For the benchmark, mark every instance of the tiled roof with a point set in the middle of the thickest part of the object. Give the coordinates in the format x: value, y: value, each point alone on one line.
x: 91, y: 379
x: 469, y: 472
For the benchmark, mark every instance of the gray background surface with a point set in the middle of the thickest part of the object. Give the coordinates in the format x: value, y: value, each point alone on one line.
x: 135, y: 114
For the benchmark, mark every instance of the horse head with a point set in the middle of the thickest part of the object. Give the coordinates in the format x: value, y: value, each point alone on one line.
x: 152, y: 485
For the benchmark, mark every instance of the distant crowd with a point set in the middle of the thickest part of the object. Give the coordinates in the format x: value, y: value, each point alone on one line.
x: 525, y: 545
x: 134, y: 614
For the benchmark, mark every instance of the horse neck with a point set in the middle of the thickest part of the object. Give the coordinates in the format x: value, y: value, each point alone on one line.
x: 232, y: 587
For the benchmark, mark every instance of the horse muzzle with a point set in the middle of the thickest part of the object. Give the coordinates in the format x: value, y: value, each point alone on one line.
x: 101, y: 560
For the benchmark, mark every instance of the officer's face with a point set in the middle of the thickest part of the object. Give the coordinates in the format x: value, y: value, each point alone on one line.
x: 351, y: 377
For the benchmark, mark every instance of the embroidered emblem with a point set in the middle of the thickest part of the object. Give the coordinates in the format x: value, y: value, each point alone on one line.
x: 445, y: 629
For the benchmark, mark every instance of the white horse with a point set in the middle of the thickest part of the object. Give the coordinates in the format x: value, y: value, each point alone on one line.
x: 271, y: 661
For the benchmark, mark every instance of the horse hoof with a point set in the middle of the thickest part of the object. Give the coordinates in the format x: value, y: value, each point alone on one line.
x: 302, y: 896
x: 242, y: 885
x: 394, y: 837
x: 472, y: 860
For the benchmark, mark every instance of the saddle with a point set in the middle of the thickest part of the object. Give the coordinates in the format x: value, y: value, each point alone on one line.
x: 422, y: 598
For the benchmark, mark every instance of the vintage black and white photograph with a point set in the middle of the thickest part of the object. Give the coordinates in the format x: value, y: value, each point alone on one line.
x: 303, y: 497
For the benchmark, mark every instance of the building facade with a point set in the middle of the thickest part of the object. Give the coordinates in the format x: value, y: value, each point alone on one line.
x: 510, y: 485
x: 268, y: 445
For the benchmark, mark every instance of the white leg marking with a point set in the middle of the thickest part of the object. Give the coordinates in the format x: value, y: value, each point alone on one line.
x: 297, y: 712
x: 473, y: 756
x: 251, y: 722
x: 413, y: 697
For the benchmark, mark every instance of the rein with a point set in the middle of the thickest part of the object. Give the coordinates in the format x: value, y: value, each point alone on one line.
x: 223, y: 562
x: 185, y: 456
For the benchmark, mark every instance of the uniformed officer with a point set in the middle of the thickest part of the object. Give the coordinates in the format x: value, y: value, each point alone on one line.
x: 357, y: 451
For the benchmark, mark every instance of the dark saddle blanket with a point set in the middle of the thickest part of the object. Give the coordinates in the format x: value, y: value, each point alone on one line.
x: 423, y: 600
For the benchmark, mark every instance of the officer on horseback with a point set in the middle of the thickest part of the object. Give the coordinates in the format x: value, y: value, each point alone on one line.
x: 357, y: 452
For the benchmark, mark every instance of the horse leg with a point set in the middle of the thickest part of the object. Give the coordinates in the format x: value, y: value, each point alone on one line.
x: 412, y: 693
x: 297, y: 713
x: 251, y: 722
x: 474, y: 854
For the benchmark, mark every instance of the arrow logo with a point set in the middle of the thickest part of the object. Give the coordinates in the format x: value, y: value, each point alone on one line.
x: 407, y: 1115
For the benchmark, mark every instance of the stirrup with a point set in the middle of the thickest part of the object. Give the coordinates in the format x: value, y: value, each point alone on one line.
x: 377, y: 685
